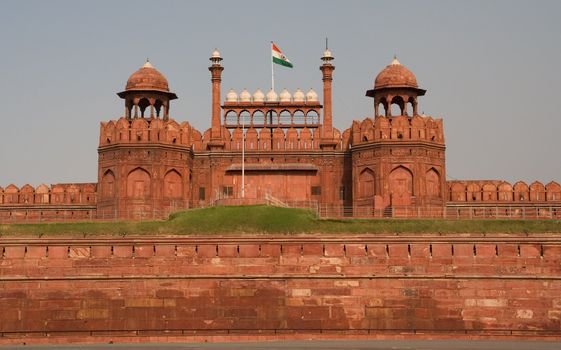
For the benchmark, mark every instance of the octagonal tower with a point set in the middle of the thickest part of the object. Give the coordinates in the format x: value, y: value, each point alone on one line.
x: 144, y: 157
x: 398, y: 158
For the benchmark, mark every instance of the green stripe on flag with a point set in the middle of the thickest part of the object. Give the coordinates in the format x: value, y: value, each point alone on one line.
x: 282, y: 62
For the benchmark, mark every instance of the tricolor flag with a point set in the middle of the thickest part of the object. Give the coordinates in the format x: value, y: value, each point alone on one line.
x: 278, y: 56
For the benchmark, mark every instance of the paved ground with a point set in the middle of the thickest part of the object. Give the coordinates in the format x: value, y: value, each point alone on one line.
x: 323, y: 345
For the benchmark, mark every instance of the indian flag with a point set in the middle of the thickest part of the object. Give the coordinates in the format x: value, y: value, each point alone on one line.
x: 279, y: 57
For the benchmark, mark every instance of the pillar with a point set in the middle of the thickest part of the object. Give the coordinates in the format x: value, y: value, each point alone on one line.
x: 216, y: 78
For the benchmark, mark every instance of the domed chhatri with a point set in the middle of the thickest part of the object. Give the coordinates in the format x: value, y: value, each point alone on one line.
x: 272, y: 96
x: 285, y: 96
x: 298, y: 96
x: 258, y: 96
x: 231, y: 96
x: 147, y: 78
x: 395, y: 75
x: 147, y: 94
x: 311, y: 96
x: 245, y: 96
x: 395, y: 85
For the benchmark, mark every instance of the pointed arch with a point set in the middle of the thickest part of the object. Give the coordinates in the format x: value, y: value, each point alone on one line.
x: 537, y: 192
x: 285, y: 118
x: 257, y: 118
x: 473, y: 192
x: 138, y: 184
x: 173, y: 185
x: 231, y: 118
x: 108, y: 184
x: 366, y: 183
x: 553, y: 190
x: 505, y: 192
x: 26, y: 194
x: 401, y: 181
x: 433, y: 183
x: 489, y: 192
x: 458, y: 192
x: 521, y: 192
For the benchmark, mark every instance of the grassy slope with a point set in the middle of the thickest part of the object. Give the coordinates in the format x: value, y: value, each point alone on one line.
x: 272, y: 220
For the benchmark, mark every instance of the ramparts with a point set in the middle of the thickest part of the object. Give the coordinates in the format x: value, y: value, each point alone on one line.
x: 276, y: 287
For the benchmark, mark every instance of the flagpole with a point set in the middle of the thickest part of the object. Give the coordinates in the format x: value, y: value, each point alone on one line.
x: 243, y: 156
x: 272, y: 70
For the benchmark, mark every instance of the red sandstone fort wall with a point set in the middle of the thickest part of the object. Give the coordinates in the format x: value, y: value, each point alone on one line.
x: 497, y: 286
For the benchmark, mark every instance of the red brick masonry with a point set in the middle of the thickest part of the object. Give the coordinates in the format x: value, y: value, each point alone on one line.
x: 275, y: 287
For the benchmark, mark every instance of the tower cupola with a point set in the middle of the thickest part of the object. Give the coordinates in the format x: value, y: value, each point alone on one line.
x: 147, y: 94
x: 395, y: 85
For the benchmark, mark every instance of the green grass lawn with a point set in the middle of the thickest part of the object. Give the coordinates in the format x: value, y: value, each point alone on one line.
x: 272, y: 220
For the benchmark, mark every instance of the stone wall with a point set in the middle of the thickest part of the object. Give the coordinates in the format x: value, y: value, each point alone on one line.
x: 279, y: 287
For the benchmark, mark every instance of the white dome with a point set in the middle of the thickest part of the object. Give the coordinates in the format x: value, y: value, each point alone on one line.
x: 327, y: 54
x: 272, y: 96
x: 258, y: 96
x: 245, y: 96
x: 298, y: 96
x: 231, y: 96
x: 285, y: 96
x: 215, y: 54
x: 312, y: 96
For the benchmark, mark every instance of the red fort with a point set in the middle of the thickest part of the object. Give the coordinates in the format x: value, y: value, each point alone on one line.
x: 384, y: 165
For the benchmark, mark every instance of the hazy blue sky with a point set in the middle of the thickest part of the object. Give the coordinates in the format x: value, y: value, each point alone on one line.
x: 492, y: 70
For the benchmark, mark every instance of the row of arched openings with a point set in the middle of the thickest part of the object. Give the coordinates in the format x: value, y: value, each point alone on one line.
x: 260, y: 118
x: 400, y: 183
x: 397, y: 106
x: 139, y: 184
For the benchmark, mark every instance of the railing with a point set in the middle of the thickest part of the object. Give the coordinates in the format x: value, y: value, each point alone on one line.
x: 452, y: 212
x: 32, y: 216
x: 322, y: 210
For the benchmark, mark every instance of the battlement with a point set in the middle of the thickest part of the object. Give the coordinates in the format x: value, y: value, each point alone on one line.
x: 58, y: 194
x: 398, y: 129
x: 154, y: 131
x: 503, y: 192
x: 275, y: 139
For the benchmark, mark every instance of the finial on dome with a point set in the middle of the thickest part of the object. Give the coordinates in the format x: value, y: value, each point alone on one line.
x: 327, y: 56
x: 215, y: 57
x: 147, y: 64
x: 395, y: 61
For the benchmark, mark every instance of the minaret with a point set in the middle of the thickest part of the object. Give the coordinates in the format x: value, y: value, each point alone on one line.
x: 327, y: 71
x: 216, y: 78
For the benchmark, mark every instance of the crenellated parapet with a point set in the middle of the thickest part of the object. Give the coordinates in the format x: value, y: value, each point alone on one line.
x: 57, y: 194
x: 490, y: 191
x: 397, y: 129
x: 274, y: 139
x: 153, y: 131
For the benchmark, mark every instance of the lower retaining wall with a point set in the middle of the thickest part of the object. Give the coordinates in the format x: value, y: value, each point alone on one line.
x: 278, y: 287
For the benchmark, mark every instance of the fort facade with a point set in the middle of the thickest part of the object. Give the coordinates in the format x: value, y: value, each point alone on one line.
x: 391, y: 163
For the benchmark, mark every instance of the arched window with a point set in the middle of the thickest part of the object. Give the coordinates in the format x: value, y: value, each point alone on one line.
x: 143, y: 104
x: 108, y: 185
x: 272, y: 118
x: 138, y: 184
x: 397, y: 106
x: 433, y: 183
x: 382, y: 109
x: 231, y: 118
x: 285, y: 118
x: 158, y: 107
x: 401, y: 181
x: 312, y: 117
x: 173, y: 185
x: 299, y: 117
x: 245, y: 118
x: 258, y: 118
x: 366, y: 184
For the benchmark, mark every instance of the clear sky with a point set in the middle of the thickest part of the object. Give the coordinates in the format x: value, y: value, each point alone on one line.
x: 491, y: 68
